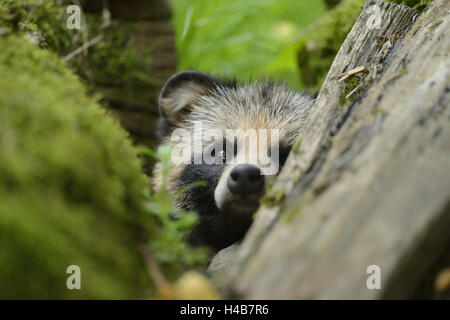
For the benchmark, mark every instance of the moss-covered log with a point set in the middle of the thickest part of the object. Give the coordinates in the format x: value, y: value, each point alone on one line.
x: 71, y: 186
x: 369, y: 182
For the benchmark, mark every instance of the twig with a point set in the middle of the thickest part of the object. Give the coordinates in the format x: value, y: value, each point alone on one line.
x: 352, y: 72
x: 106, y: 22
x: 152, y: 268
x: 353, y: 91
x: 84, y: 47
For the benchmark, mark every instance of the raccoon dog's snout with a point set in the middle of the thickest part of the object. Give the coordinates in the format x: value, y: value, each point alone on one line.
x: 245, y: 180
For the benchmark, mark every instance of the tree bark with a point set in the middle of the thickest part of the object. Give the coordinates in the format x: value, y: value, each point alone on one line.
x: 369, y: 182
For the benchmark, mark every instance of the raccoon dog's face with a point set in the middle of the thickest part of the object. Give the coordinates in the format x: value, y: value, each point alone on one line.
x: 236, y: 137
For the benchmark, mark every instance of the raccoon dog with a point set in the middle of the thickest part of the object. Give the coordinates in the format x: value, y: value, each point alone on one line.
x: 200, y: 106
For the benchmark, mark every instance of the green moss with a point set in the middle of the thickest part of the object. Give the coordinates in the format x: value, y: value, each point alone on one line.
x: 403, y: 72
x: 317, y: 49
x: 296, y: 175
x: 296, y: 147
x: 349, y: 85
x: 71, y: 187
x: 43, y: 21
x: 332, y: 3
x: 271, y: 198
x: 379, y: 111
x: 352, y: 83
x: 419, y: 5
x: 296, y: 210
x: 113, y: 63
x: 434, y: 25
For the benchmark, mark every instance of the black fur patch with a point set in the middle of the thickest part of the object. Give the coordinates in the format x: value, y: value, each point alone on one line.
x: 216, y: 228
x: 284, y: 153
x: 201, y: 199
x: 204, y: 80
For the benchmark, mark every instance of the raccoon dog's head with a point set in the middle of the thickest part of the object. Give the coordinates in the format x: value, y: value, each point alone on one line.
x: 236, y: 137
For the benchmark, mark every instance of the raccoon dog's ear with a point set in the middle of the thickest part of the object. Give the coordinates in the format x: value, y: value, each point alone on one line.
x: 178, y: 94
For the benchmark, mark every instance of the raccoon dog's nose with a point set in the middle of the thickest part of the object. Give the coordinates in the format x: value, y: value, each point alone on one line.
x: 245, y: 179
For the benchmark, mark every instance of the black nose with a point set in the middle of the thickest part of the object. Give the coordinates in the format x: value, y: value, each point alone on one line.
x: 245, y: 180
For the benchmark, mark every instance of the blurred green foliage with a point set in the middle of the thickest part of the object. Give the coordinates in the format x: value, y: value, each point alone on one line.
x: 416, y: 4
x: 72, y: 190
x: 112, y: 62
x: 71, y: 186
x: 319, y: 46
x: 292, y: 41
x: 242, y: 39
x: 113, y: 66
x: 42, y: 21
x: 332, y: 3
x: 168, y: 244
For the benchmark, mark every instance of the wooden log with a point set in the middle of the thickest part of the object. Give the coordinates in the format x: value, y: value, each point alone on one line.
x: 369, y: 182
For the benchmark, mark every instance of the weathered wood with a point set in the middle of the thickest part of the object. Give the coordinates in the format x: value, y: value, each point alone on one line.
x: 369, y: 182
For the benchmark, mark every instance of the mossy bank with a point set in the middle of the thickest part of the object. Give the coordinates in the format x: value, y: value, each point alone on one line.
x: 71, y: 186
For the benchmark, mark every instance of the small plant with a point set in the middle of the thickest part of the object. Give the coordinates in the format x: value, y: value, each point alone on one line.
x: 168, y: 245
